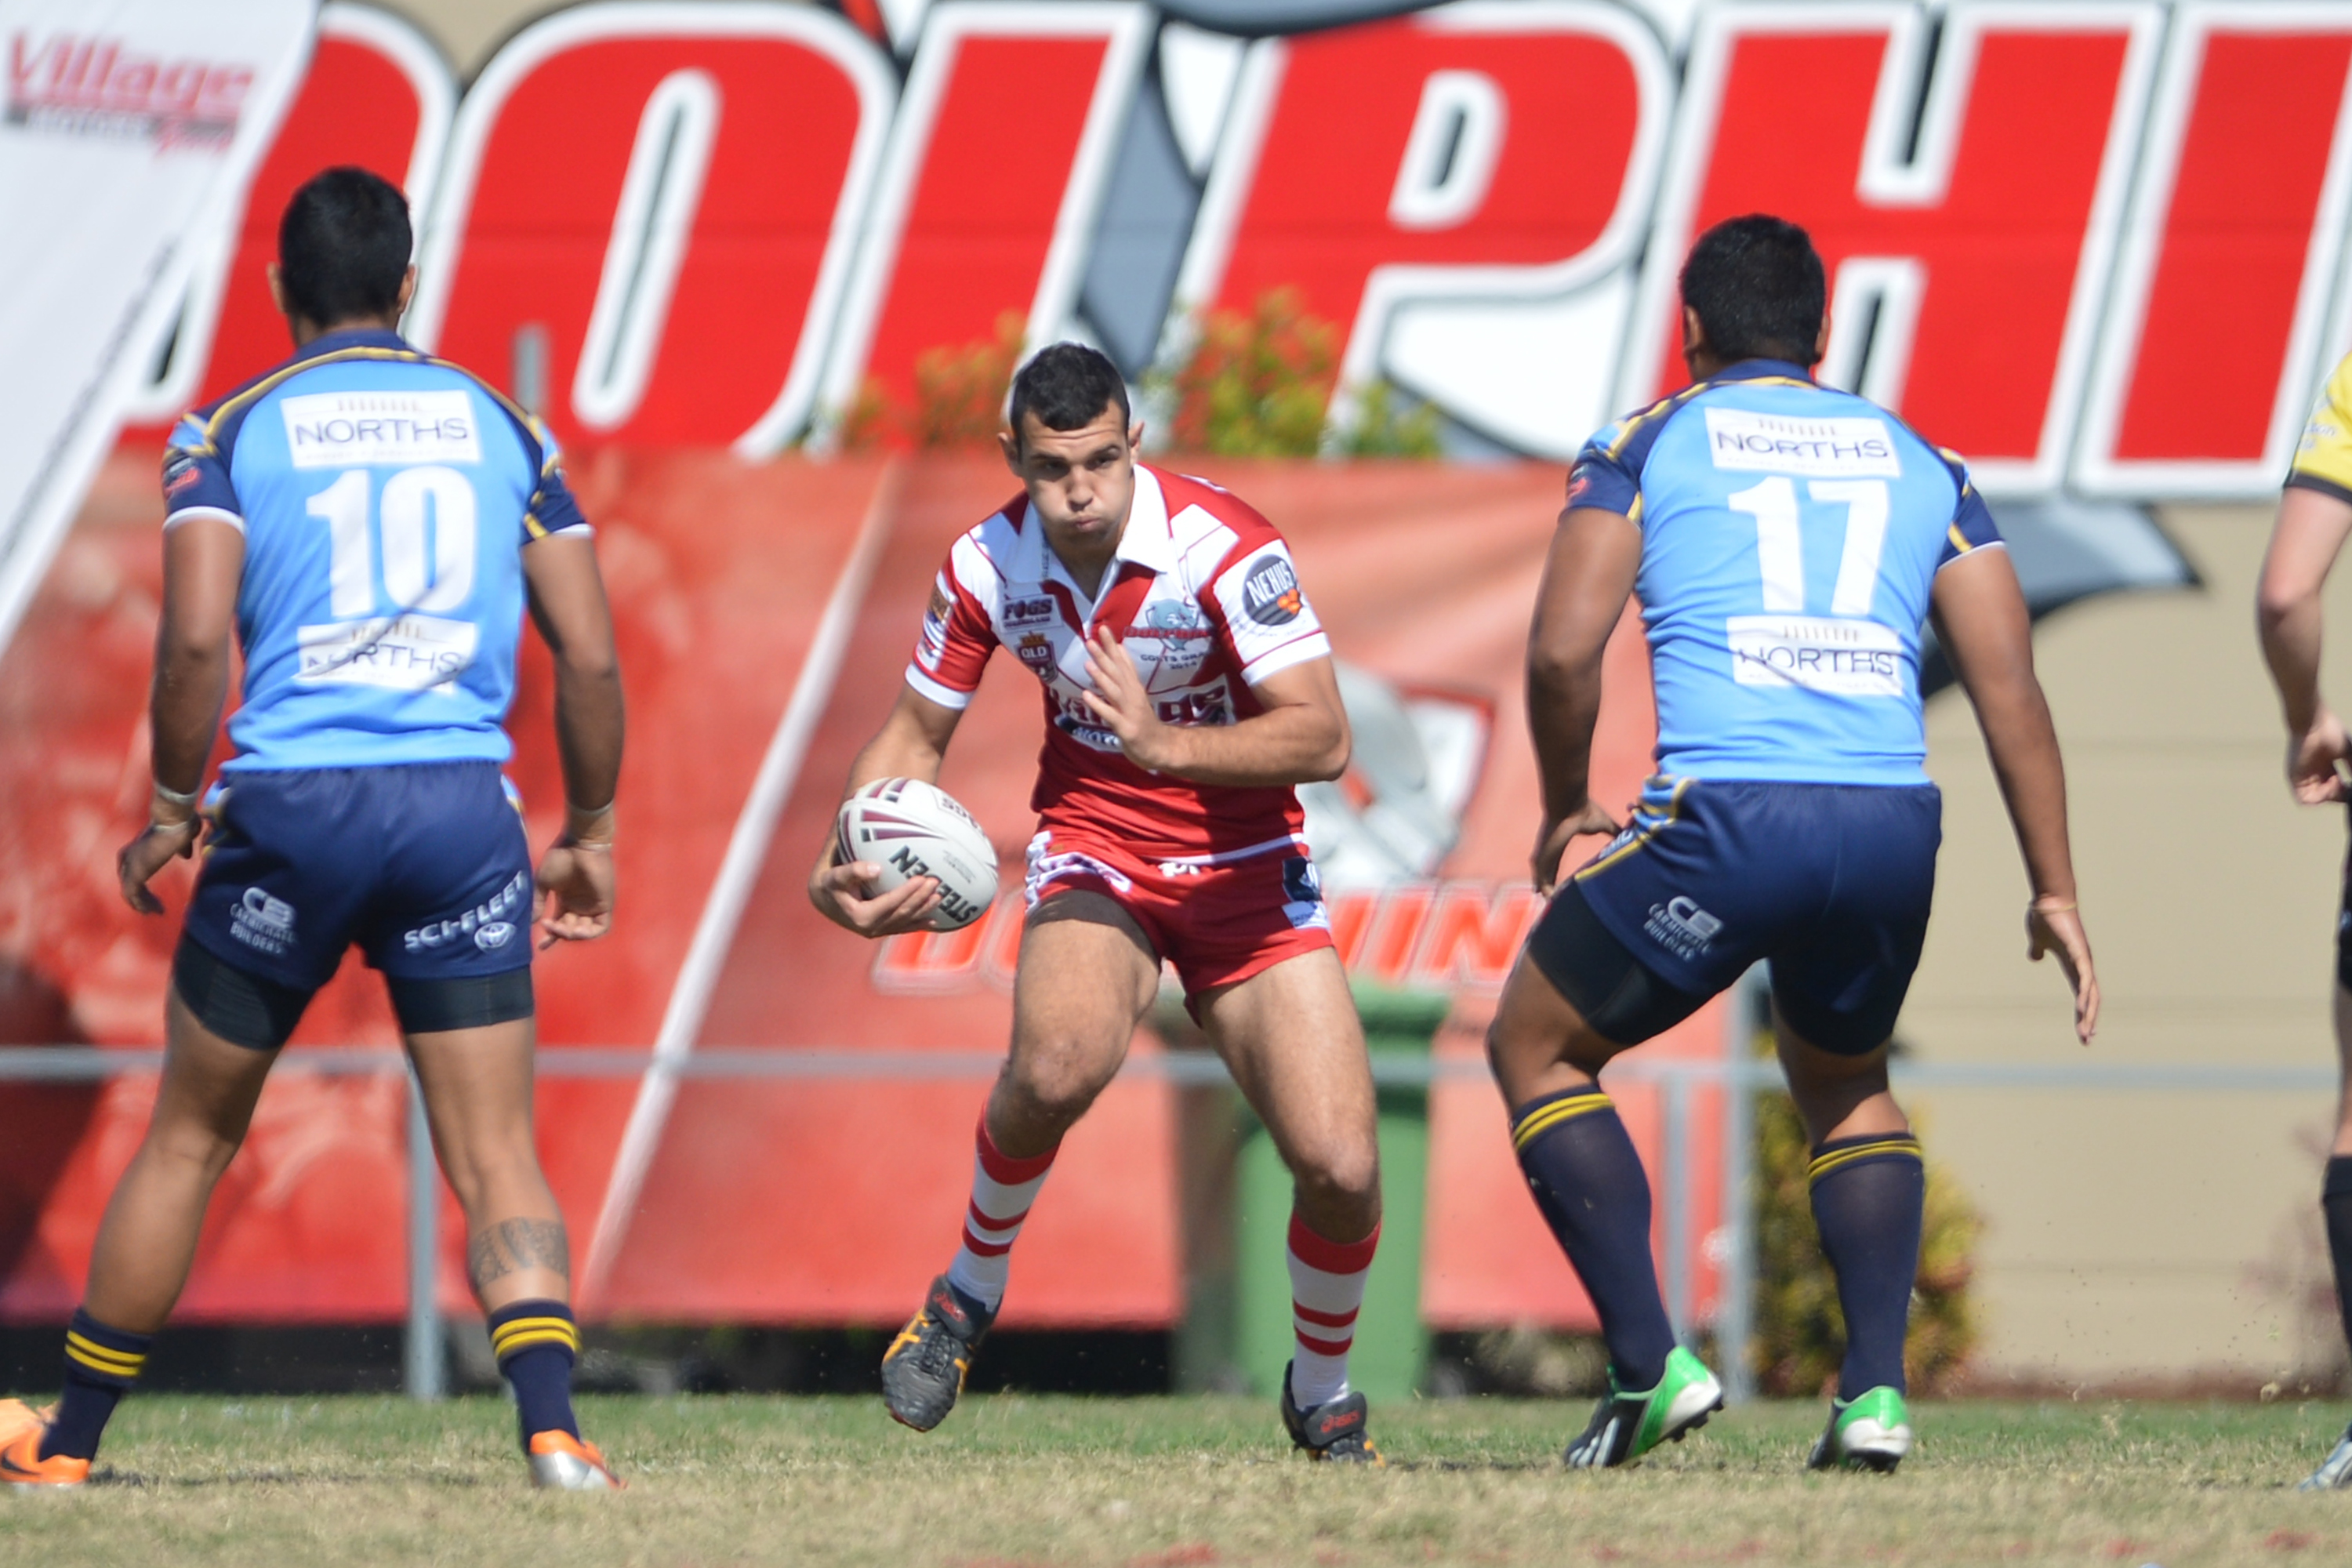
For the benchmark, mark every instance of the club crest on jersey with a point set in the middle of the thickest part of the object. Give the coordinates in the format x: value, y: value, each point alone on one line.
x: 1035, y: 650
x: 1181, y: 631
x: 1270, y: 593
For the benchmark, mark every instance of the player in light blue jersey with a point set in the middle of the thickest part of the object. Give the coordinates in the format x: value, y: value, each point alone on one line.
x: 1786, y: 542
x: 371, y: 522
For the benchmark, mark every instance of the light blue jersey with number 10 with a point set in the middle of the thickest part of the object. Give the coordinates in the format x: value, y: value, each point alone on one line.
x: 385, y: 499
x: 1790, y: 538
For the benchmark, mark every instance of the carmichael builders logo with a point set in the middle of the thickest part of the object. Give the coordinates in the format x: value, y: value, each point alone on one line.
x: 104, y: 86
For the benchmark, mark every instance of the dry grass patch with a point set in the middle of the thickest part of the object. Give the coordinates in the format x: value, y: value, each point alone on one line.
x: 1012, y: 1480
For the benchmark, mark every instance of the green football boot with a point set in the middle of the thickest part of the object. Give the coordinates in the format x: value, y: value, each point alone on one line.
x: 1872, y: 1431
x: 1624, y: 1426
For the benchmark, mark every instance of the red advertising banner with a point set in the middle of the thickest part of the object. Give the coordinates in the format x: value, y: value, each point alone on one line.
x: 2094, y: 243
x: 801, y: 1202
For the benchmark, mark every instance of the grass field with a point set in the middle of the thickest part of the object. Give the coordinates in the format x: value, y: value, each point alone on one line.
x: 1015, y: 1479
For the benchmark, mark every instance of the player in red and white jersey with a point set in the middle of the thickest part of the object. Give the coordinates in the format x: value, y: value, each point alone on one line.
x: 1208, y: 605
x: 1188, y: 687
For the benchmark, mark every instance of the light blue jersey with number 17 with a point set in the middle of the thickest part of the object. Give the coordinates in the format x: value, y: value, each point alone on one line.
x: 385, y: 499
x: 1790, y: 538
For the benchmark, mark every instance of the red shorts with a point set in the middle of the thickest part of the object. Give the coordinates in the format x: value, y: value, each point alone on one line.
x: 1219, y: 919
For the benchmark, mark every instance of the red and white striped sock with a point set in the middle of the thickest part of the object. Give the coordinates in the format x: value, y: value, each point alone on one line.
x: 1003, y: 1188
x: 1326, y: 1288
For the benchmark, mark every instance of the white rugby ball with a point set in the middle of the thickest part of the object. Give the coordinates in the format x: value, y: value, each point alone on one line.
x: 911, y: 829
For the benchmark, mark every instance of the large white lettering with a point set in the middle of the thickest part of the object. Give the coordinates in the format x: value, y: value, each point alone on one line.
x: 1411, y: 179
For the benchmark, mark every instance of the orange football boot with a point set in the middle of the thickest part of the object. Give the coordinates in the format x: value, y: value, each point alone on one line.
x: 561, y: 1462
x: 22, y: 1428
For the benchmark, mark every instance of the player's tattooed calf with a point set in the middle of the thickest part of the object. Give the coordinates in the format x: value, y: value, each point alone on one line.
x: 514, y: 1243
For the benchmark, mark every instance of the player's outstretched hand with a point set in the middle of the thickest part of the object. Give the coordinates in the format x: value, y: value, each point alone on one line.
x: 2311, y: 759
x: 839, y: 894
x: 1552, y: 841
x: 2053, y: 926
x: 1123, y: 702
x: 577, y: 881
x: 159, y: 845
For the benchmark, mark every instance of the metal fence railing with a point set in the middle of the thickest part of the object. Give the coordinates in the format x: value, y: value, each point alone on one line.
x: 1679, y: 1084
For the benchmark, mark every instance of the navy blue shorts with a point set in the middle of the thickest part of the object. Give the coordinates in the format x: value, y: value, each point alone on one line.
x: 1830, y: 883
x: 423, y: 865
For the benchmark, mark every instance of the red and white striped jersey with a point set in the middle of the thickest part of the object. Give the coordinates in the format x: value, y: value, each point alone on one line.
x: 1203, y: 593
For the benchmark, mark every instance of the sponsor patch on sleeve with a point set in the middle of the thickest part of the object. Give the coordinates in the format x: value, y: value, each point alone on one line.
x: 180, y: 473
x: 934, y: 645
x: 1270, y: 593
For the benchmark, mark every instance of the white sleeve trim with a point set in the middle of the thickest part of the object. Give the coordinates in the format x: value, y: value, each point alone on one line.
x: 1314, y: 645
x: 190, y: 513
x: 945, y: 695
x: 1971, y: 549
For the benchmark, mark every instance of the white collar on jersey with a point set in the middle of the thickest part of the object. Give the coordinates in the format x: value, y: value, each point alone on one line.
x: 1149, y: 541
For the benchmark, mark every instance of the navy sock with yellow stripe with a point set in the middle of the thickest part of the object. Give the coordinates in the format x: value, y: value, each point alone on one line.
x: 2335, y: 1205
x: 1869, y: 1197
x: 535, y: 1343
x: 1593, y: 1193
x: 101, y: 1364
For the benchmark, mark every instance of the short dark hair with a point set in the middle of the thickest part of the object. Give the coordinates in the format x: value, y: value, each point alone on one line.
x: 342, y: 246
x: 1759, y: 288
x: 1068, y: 386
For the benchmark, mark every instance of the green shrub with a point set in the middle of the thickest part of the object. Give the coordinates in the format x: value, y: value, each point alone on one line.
x: 958, y: 397
x: 1259, y: 385
x: 960, y: 393
x: 1799, y: 1332
x: 1389, y: 426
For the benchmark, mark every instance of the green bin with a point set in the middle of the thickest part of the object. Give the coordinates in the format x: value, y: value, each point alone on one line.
x: 1392, y: 1349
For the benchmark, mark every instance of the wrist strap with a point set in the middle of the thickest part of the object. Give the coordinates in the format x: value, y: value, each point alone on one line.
x: 2052, y: 905
x: 170, y: 808
x: 588, y: 828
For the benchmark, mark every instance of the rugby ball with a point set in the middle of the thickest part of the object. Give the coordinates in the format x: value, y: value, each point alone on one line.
x: 911, y: 829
